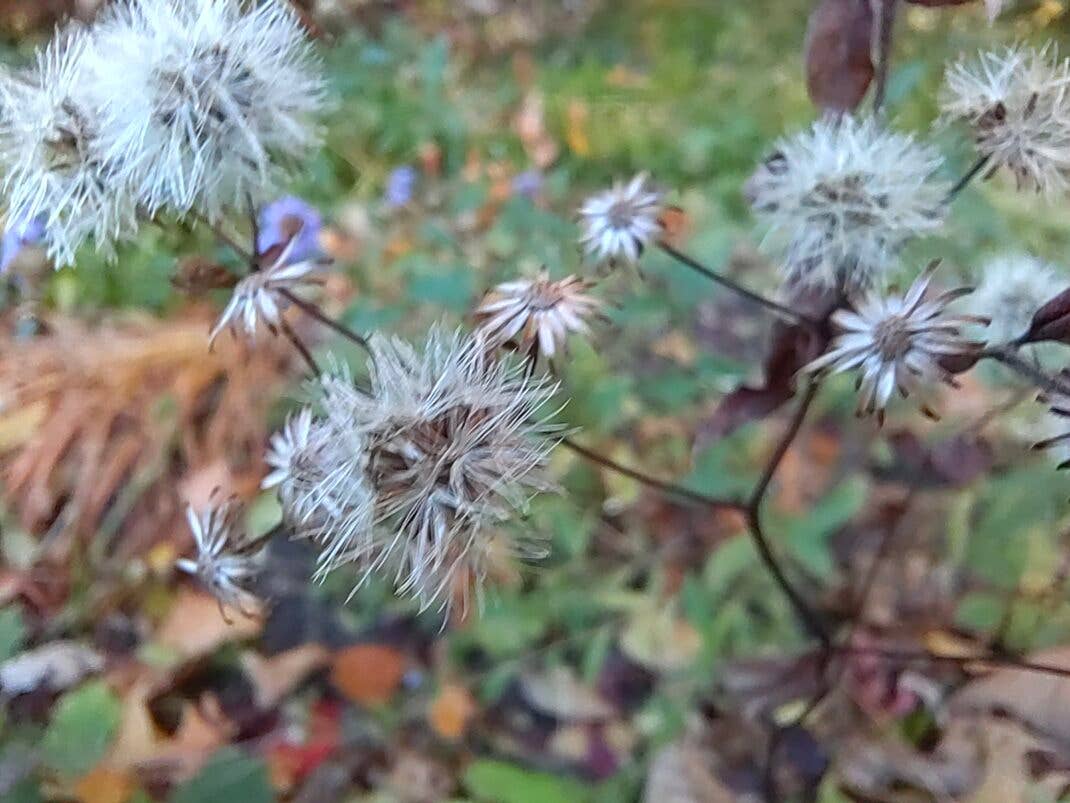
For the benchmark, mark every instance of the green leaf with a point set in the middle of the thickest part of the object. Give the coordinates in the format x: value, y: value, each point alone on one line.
x: 81, y: 729
x: 229, y: 777
x: 12, y: 632
x: 499, y: 782
x: 808, y: 535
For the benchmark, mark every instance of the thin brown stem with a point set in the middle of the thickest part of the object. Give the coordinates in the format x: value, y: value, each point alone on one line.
x: 668, y: 488
x: 1008, y: 356
x: 970, y: 175
x: 802, y: 608
x: 225, y: 238
x: 724, y: 281
x: 301, y: 348
x: 885, y: 32
x: 317, y: 314
x: 923, y: 656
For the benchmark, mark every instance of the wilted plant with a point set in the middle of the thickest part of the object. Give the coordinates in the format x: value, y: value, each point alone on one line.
x: 420, y: 468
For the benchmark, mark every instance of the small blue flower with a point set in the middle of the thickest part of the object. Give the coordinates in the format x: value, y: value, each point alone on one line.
x: 527, y: 183
x: 288, y: 218
x: 18, y: 236
x: 400, y: 185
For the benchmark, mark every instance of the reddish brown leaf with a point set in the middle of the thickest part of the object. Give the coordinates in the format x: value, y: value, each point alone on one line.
x: 793, y: 347
x: 1051, y: 321
x: 839, y: 58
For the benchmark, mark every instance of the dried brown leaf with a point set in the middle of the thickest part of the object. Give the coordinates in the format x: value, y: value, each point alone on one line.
x: 195, y: 627
x: 1041, y: 701
x: 839, y: 60
x: 113, y: 419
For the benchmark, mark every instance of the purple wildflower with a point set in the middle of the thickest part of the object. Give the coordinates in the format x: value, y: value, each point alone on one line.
x: 527, y: 183
x: 400, y: 185
x: 291, y: 218
x: 18, y: 236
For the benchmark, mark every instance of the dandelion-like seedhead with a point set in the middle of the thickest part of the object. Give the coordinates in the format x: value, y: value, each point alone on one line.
x: 260, y: 298
x: 413, y: 477
x: 1016, y: 101
x: 56, y: 167
x: 619, y: 223
x: 536, y: 315
x: 200, y: 100
x: 897, y: 343
x: 225, y: 563
x: 1011, y: 290
x: 841, y: 198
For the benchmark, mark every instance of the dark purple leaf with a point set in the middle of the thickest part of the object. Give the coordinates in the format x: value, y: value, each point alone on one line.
x: 839, y: 53
x: 1051, y: 321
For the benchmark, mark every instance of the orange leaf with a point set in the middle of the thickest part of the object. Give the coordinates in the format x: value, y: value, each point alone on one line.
x: 368, y: 674
x: 576, y: 133
x: 104, y: 785
x: 451, y: 711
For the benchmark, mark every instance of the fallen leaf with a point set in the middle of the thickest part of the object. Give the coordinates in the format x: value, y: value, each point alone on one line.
x: 661, y: 641
x: 104, y: 785
x: 1040, y: 700
x: 451, y: 711
x: 275, y: 677
x: 576, y: 135
x: 557, y: 692
x: 194, y: 626
x: 368, y: 674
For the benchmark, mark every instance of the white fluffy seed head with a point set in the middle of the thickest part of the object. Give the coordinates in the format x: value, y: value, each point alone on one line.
x: 841, y: 198
x: 203, y: 100
x: 55, y: 164
x: 1012, y: 288
x: 1016, y: 101
x: 413, y: 477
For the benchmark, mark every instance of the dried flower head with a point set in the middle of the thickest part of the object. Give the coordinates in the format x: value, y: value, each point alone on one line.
x: 897, y: 342
x: 261, y: 296
x: 413, y: 477
x: 56, y: 167
x: 226, y: 562
x: 285, y: 452
x: 1017, y: 104
x: 620, y: 222
x: 536, y: 315
x: 1011, y: 290
x: 841, y: 198
x: 201, y: 100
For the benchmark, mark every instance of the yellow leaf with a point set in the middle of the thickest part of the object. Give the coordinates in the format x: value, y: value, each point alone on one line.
x: 104, y: 785
x: 451, y: 711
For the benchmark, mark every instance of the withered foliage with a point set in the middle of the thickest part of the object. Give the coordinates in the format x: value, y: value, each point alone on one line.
x: 104, y: 427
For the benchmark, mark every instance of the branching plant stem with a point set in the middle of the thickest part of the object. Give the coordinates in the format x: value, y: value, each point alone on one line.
x: 774, y: 306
